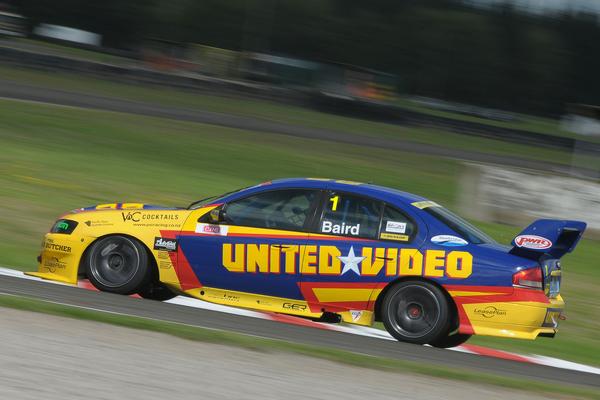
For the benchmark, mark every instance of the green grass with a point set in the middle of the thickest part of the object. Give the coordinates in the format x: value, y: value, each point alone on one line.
x: 54, y: 159
x: 270, y: 345
x: 286, y: 114
x: 522, y: 122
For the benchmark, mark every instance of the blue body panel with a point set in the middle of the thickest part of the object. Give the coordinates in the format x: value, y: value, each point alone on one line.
x: 493, y: 264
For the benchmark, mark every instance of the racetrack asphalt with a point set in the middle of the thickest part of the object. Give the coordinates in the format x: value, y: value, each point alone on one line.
x: 72, y: 359
x: 16, y: 90
x: 273, y: 330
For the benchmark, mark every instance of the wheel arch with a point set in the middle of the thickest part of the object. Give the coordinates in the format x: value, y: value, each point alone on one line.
x: 151, y: 256
x: 451, y: 303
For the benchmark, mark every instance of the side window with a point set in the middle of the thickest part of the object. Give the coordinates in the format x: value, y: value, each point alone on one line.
x: 396, y: 226
x: 350, y: 215
x: 279, y: 209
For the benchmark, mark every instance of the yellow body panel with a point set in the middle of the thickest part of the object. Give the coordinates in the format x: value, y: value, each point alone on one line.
x: 273, y: 304
x: 61, y: 254
x: 518, y: 319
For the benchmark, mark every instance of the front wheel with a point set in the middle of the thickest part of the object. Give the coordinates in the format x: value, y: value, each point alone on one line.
x: 118, y: 264
x: 416, y: 312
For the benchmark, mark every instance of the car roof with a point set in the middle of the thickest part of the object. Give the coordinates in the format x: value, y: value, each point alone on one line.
x: 367, y: 189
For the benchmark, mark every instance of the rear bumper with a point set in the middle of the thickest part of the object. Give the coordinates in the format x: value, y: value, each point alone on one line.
x: 515, y: 319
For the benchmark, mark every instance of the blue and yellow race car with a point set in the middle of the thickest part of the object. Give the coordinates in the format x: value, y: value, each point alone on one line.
x: 324, y: 249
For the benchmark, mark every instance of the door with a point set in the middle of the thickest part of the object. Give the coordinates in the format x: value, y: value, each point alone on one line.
x: 359, y: 241
x: 258, y: 246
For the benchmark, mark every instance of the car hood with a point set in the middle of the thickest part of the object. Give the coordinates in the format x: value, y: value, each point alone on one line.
x: 123, y: 206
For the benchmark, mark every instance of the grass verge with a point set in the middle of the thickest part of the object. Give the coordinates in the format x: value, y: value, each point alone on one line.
x: 262, y: 344
x: 283, y: 113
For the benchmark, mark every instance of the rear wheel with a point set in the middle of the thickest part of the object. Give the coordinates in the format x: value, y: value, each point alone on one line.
x: 118, y: 264
x: 416, y: 312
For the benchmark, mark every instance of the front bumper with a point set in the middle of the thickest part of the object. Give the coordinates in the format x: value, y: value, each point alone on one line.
x: 60, y: 258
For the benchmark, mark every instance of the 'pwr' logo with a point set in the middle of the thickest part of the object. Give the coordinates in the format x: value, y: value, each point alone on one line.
x: 533, y: 242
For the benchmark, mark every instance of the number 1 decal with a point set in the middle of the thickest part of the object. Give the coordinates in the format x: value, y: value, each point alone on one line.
x: 334, y: 202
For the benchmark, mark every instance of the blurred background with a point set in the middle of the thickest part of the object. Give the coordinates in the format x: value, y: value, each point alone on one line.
x: 489, y: 107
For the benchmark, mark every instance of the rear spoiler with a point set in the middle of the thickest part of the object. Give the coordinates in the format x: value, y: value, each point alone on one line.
x: 550, y: 237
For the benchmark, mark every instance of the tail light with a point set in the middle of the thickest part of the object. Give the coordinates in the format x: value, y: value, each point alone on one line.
x: 529, y: 278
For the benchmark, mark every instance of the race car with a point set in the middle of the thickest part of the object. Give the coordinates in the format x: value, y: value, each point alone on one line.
x: 336, y: 251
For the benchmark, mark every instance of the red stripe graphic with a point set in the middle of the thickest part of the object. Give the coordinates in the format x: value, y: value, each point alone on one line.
x: 85, y: 284
x: 484, y: 351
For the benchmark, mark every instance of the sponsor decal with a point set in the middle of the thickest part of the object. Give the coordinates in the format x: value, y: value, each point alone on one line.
x: 164, y: 264
x: 98, y: 223
x: 137, y: 216
x: 294, y: 306
x: 449, y: 241
x: 356, y: 314
x: 230, y: 298
x: 394, y: 236
x: 533, y: 242
x: 490, y: 312
x: 62, y: 226
x: 163, y: 254
x: 165, y: 244
x: 131, y: 216
x: 57, y: 247
x: 210, y: 229
x: 53, y: 264
x: 395, y: 227
x: 425, y: 204
x: 162, y: 217
x: 340, y: 229
x: 328, y: 260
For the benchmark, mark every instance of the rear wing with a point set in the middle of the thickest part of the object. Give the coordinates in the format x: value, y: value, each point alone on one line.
x: 548, y: 237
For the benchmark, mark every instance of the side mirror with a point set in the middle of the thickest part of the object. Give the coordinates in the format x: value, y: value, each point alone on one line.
x: 217, y: 215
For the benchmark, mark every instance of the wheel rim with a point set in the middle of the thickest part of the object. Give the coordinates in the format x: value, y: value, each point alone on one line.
x: 414, y: 311
x: 114, y: 261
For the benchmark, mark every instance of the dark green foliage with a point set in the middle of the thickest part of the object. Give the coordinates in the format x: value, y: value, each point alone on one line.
x: 497, y: 57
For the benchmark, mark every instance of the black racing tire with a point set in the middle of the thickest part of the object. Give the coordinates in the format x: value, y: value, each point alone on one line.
x: 416, y: 312
x: 156, y: 291
x: 118, y: 264
x: 446, y: 342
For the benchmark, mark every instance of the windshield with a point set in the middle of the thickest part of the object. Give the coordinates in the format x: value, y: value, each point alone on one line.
x: 211, y: 199
x: 459, y: 225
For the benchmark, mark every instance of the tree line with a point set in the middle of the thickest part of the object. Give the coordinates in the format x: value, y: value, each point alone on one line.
x: 496, y: 56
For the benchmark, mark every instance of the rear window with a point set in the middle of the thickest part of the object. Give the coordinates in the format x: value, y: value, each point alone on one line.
x: 467, y: 231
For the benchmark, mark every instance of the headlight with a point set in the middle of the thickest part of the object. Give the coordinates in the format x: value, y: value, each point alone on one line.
x: 65, y: 226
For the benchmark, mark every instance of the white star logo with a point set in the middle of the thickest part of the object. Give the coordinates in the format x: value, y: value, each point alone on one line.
x: 351, y: 262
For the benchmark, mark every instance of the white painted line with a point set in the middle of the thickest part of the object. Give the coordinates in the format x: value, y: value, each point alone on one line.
x: 196, y: 303
x: 558, y: 363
